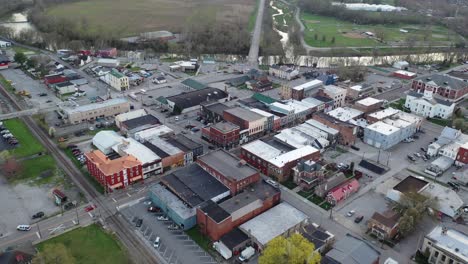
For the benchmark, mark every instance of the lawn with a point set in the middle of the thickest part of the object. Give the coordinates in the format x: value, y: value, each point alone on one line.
x: 6, y: 84
x: 89, y: 245
x: 127, y: 18
x: 32, y: 168
x: 28, y: 144
x: 398, y: 104
x: 440, y: 122
x: 289, y: 184
x: 347, y: 34
x: 203, y: 241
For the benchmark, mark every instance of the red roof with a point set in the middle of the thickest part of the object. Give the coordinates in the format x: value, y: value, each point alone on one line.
x: 55, y: 79
x: 345, y: 189
x: 59, y: 194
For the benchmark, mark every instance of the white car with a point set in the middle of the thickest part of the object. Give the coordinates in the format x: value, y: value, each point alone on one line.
x: 23, y: 227
x: 272, y: 183
x: 163, y: 218
x: 350, y: 213
x: 157, y: 242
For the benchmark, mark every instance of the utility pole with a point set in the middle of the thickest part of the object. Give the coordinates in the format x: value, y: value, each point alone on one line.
x: 39, y: 230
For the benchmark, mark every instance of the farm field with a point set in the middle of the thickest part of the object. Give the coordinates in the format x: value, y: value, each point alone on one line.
x: 347, y: 34
x: 125, y: 17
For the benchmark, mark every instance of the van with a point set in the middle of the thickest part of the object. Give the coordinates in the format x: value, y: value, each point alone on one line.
x: 23, y: 227
x: 157, y: 242
x: 143, y: 91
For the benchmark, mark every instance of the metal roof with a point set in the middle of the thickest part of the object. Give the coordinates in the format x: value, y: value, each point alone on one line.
x: 227, y: 164
x: 352, y: 250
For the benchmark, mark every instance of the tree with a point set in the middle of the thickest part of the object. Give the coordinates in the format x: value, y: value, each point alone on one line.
x: 11, y: 167
x: 459, y: 123
x: 293, y: 250
x: 324, y: 38
x: 20, y: 58
x: 380, y: 34
x: 31, y: 63
x: 412, y: 207
x: 315, y: 36
x: 54, y: 254
x: 333, y: 40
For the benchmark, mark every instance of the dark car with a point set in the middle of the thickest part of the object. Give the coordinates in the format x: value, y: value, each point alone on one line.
x: 415, y: 136
x: 154, y: 209
x: 139, y: 222
x: 454, y: 186
x: 423, y: 149
x: 71, y: 146
x: 42, y: 94
x: 358, y: 219
x: 38, y: 215
x: 354, y: 147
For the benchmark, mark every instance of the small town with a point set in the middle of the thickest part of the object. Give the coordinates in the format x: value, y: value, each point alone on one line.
x: 122, y: 155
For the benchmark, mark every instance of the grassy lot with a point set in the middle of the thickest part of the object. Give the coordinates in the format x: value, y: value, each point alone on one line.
x: 289, y: 184
x: 126, y: 18
x: 28, y: 144
x: 89, y: 245
x: 32, y: 168
x: 203, y: 241
x: 398, y: 104
x: 350, y: 35
x: 6, y: 84
x: 440, y: 122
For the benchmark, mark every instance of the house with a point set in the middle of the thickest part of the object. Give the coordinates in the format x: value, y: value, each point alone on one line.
x: 281, y: 220
x: 308, y: 174
x: 402, y: 74
x: 5, y: 44
x: 15, y: 256
x: 116, y: 80
x: 113, y: 173
x: 301, y: 91
x: 462, y: 155
x: 64, y: 88
x: 107, y: 108
x: 190, y: 101
x: 336, y: 93
x: 230, y: 170
x: 4, y: 62
x: 321, y: 238
x: 283, y: 72
x: 259, y: 84
x: 328, y: 184
x: 273, y: 160
x: 445, y: 86
x: 246, y: 120
x: 223, y: 134
x: 343, y: 191
x: 219, y: 219
x: 445, y: 245
x: 181, y: 192
x: 448, y: 143
x: 352, y: 250
x: 429, y: 106
x: 384, y: 225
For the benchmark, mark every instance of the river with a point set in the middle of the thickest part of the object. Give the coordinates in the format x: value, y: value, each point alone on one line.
x: 17, y: 22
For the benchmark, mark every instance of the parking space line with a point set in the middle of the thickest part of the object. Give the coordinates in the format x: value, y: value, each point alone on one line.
x: 170, y: 257
x: 113, y: 199
x: 129, y: 195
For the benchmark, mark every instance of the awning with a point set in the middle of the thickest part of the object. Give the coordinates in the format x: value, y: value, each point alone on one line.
x: 115, y: 186
x: 136, y: 178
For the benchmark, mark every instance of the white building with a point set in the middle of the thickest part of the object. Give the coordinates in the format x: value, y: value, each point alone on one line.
x: 65, y: 88
x: 104, y: 62
x: 106, y: 139
x: 129, y: 115
x: 151, y: 162
x: 401, y: 65
x: 345, y: 114
x: 336, y: 93
x: 448, y: 143
x: 116, y: 80
x: 446, y: 246
x: 5, y: 44
x: 283, y: 72
x: 429, y: 106
x: 158, y: 131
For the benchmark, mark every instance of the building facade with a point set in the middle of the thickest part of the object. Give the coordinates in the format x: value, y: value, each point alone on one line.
x: 336, y: 93
x: 445, y: 246
x: 428, y: 106
x: 347, y: 132
x: 117, y: 80
x: 246, y: 120
x: 283, y: 72
x: 108, y: 108
x: 224, y: 134
x: 444, y: 85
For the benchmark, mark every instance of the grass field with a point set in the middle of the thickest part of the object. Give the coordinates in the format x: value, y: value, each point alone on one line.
x: 6, y: 84
x: 32, y: 168
x: 347, y: 34
x: 90, y: 245
x: 125, y: 18
x: 28, y: 144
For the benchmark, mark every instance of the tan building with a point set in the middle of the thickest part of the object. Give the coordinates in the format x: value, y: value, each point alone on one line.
x: 117, y: 80
x: 107, y: 108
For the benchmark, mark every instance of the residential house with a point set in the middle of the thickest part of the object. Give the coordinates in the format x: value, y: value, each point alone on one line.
x: 384, y: 225
x: 343, y: 191
x: 321, y: 238
x: 283, y: 72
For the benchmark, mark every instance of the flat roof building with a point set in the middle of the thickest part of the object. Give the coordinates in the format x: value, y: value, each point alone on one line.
x: 108, y: 108
x: 189, y: 101
x: 446, y: 245
x: 352, y: 250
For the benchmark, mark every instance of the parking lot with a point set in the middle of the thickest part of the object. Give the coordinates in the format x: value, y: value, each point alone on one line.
x: 175, y: 246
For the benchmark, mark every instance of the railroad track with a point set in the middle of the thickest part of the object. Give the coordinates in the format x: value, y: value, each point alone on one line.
x: 134, y: 244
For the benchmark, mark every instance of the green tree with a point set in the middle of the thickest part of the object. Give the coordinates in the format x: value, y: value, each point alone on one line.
x: 333, y: 40
x: 459, y: 123
x: 20, y: 58
x: 324, y: 38
x: 293, y: 250
x: 31, y: 63
x: 315, y: 36
x: 412, y: 207
x: 54, y: 254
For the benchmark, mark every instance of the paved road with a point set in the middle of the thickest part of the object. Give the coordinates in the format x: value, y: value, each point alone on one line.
x: 256, y: 36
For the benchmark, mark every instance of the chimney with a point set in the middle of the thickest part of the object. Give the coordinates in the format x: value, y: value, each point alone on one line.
x: 444, y: 230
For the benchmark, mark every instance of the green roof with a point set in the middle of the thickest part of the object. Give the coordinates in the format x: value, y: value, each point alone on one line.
x: 116, y: 74
x: 194, y: 84
x: 263, y: 98
x: 162, y: 100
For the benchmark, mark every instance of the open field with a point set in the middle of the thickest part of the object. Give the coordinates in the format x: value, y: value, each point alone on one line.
x: 347, y: 34
x: 124, y: 17
x: 28, y: 144
x: 89, y: 245
x: 33, y: 168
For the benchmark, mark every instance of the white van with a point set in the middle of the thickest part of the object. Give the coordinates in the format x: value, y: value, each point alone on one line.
x: 157, y: 242
x: 23, y: 227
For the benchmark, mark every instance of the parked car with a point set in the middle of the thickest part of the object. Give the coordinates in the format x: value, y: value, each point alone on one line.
x: 350, y: 213
x: 417, y: 154
x: 173, y: 227
x: 272, y: 183
x: 71, y: 146
x: 89, y: 208
x: 42, y: 94
x: 454, y: 185
x: 157, y: 242
x: 154, y: 209
x: 415, y: 136
x: 358, y: 219
x: 355, y: 148
x: 139, y: 222
x: 38, y: 215
x: 163, y: 218
x: 23, y: 227
x: 423, y: 149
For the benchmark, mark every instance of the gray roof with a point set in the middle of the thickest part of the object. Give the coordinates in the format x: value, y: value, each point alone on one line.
x: 185, y: 142
x: 227, y: 164
x: 444, y: 80
x: 217, y: 108
x: 190, y: 99
x: 244, y: 114
x: 225, y: 126
x: 95, y: 106
x: 435, y: 98
x: 352, y: 250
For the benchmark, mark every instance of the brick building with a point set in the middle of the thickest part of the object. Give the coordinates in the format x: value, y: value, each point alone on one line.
x: 113, y: 173
x: 384, y: 225
x: 224, y: 134
x: 230, y: 170
x: 347, y: 132
x: 462, y: 155
x: 446, y: 86
x: 246, y: 119
x: 368, y: 105
x: 215, y: 220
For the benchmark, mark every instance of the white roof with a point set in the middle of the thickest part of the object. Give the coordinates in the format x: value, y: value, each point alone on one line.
x: 293, y: 139
x: 399, y: 123
x: 384, y: 113
x: 345, y: 113
x: 369, y: 101
x: 298, y: 106
x: 282, y: 159
x: 165, y: 146
x: 312, y: 102
x: 153, y: 132
x: 95, y: 106
x: 104, y: 60
x: 322, y: 127
x: 273, y: 223
x: 334, y: 89
x: 106, y: 139
x: 452, y: 241
x: 281, y: 108
x: 382, y: 128
x: 130, y: 115
x: 138, y: 150
x: 406, y: 73
x: 409, y: 117
x: 261, y: 112
x: 262, y: 149
x: 309, y: 85
x: 448, y: 200
x: 356, y: 87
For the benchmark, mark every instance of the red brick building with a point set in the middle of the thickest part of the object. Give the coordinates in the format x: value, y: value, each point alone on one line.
x: 462, y: 156
x: 224, y: 134
x: 229, y: 170
x: 444, y: 85
x: 215, y: 220
x: 113, y: 173
x: 347, y: 131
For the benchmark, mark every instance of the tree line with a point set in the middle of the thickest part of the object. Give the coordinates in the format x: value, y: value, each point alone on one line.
x: 10, y: 6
